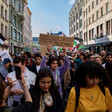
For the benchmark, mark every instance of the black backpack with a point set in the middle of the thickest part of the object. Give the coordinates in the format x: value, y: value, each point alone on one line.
x: 77, y: 90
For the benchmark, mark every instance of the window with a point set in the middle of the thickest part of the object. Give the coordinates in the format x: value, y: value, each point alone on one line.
x: 14, y: 20
x: 89, y: 8
x: 92, y: 33
x: 74, y: 28
x: 107, y: 7
x: 80, y: 24
x: 97, y: 15
x: 93, y: 18
x: 96, y: 2
x: 77, y: 35
x: 6, y: 31
x: 84, y: 37
x: 2, y: 29
x: 92, y: 4
x: 21, y: 28
x: 21, y: 38
x: 14, y: 34
x: 101, y: 30
x: 18, y: 37
x: 2, y: 14
x: 6, y: 14
x: 76, y: 16
x: 80, y: 12
x: 11, y: 32
x: 89, y: 20
x: 84, y: 24
x: 84, y: 13
x: 97, y: 31
x: 108, y: 27
x: 81, y: 34
x: 102, y: 11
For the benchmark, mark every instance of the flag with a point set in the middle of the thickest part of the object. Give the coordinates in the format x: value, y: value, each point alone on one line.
x: 59, y: 33
x: 76, y: 42
x: 80, y: 47
x: 64, y: 35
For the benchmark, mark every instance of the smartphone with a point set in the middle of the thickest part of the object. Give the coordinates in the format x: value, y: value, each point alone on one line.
x: 18, y: 72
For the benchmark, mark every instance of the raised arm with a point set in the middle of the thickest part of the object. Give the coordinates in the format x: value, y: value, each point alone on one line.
x: 65, y: 66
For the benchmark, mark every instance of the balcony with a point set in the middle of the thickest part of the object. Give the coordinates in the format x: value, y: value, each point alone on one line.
x: 20, y: 16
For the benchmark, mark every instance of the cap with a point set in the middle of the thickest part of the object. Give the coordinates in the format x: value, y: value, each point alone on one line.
x: 6, y: 60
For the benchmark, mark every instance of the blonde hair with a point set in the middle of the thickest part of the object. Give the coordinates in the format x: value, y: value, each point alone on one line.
x: 97, y: 56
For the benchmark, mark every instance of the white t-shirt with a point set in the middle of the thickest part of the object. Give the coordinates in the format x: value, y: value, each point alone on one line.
x: 37, y: 68
x: 30, y: 78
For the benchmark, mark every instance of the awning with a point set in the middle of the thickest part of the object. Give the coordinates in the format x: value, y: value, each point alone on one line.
x: 100, y: 44
x: 6, y: 45
x: 18, y: 46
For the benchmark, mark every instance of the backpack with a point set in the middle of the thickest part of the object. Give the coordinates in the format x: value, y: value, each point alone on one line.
x: 77, y: 90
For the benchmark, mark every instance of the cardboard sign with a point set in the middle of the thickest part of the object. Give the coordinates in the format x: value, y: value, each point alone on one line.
x: 5, y: 54
x: 55, y: 40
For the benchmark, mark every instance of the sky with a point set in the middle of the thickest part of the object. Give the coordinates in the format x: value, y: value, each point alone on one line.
x: 50, y: 16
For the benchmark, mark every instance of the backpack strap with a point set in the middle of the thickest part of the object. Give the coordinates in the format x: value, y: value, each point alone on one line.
x: 8, y: 110
x: 102, y: 88
x: 77, y: 90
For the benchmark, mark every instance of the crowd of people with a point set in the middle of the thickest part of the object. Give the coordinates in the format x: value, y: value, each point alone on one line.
x: 59, y: 81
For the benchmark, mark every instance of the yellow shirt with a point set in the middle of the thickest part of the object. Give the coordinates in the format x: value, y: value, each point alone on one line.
x: 90, y: 100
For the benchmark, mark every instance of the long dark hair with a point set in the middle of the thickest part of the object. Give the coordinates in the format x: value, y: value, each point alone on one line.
x: 43, y: 72
x: 92, y: 69
x: 2, y: 88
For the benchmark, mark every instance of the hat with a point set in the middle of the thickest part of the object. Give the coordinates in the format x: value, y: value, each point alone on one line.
x: 6, y: 60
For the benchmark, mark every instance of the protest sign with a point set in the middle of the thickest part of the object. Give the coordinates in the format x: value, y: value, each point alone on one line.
x: 55, y: 40
x: 5, y: 54
x: 34, y: 50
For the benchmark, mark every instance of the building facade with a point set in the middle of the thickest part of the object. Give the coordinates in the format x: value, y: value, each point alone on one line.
x: 4, y: 23
x: 97, y: 20
x: 27, y: 28
x: 97, y: 24
x: 76, y: 20
x: 35, y: 40
x: 16, y: 18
